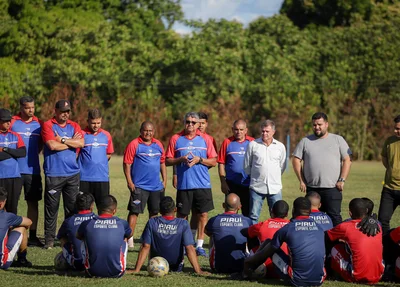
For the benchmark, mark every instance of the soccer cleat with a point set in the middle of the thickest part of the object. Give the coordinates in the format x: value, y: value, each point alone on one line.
x: 49, y: 245
x: 35, y: 242
x: 21, y: 263
x: 201, y: 252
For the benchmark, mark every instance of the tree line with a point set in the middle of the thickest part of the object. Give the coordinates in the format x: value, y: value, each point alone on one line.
x: 123, y: 56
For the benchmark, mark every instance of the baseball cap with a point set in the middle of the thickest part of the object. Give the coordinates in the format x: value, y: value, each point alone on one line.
x: 5, y: 115
x: 63, y: 105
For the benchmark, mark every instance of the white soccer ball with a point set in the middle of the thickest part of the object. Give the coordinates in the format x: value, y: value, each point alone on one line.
x: 158, y: 267
x: 260, y: 272
x: 60, y: 263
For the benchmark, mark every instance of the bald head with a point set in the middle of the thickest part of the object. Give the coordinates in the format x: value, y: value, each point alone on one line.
x: 232, y: 202
x: 239, y: 129
x: 315, y: 199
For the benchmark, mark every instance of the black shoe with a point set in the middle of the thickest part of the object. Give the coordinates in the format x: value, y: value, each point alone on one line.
x: 21, y: 263
x: 35, y: 242
x: 49, y: 245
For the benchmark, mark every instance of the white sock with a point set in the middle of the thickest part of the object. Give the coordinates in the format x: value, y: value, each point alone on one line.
x: 200, y: 243
x: 194, y: 231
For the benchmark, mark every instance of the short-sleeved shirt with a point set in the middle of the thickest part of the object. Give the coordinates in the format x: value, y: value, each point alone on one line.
x: 322, y: 159
x: 231, y: 154
x: 267, y: 229
x: 59, y: 163
x: 229, y: 245
x: 7, y: 220
x: 167, y: 237
x: 322, y: 219
x: 212, y: 140
x: 69, y: 228
x: 9, y: 168
x: 30, y: 133
x: 93, y: 160
x: 103, y: 237
x: 306, y: 245
x: 366, y: 251
x: 391, y: 151
x: 145, y: 160
x: 197, y: 176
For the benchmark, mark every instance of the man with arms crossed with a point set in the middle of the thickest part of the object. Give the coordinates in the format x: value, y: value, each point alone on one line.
x: 192, y: 154
x: 322, y: 163
x: 264, y: 161
x: 61, y: 137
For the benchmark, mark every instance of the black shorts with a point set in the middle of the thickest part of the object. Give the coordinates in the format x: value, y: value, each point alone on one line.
x: 32, y: 184
x: 13, y: 187
x: 199, y: 199
x: 140, y: 197
x: 99, y: 190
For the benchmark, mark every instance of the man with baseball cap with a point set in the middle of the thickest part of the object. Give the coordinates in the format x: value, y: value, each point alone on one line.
x: 61, y: 137
x: 11, y: 148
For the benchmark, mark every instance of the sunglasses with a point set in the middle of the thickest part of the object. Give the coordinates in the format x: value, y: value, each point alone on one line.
x: 191, y: 122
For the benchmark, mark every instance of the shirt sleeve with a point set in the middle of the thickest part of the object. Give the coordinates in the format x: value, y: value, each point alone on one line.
x: 299, y: 150
x: 110, y: 146
x: 20, y: 142
x: 338, y: 232
x: 283, y: 158
x: 171, y: 147
x: 254, y: 230
x: 82, y: 228
x: 222, y: 151
x: 47, y: 132
x: 130, y: 152
x: 187, y: 234
x: 209, y: 225
x: 279, y: 237
x: 211, y: 153
x: 77, y: 128
x: 162, y: 158
x: 127, y: 229
x: 14, y: 220
x: 147, y: 234
x: 344, y: 148
x: 63, y: 231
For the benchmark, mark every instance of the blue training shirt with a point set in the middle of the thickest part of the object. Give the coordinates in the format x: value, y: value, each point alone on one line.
x: 9, y: 168
x: 322, y: 219
x: 7, y: 220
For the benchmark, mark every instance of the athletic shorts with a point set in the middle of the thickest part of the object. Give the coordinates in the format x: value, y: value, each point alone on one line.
x: 13, y: 244
x: 32, y: 184
x: 99, y: 189
x: 140, y: 197
x: 13, y: 187
x: 199, y: 199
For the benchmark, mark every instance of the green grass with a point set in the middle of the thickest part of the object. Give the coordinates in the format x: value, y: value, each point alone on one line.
x: 365, y: 180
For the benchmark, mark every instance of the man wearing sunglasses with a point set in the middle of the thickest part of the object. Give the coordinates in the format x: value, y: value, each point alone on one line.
x: 61, y: 137
x: 193, y: 153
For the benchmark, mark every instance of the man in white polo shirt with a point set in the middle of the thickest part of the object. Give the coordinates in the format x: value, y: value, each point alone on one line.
x: 264, y: 161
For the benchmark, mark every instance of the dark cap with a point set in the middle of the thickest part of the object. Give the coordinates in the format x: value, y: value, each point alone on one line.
x: 63, y: 105
x: 5, y: 115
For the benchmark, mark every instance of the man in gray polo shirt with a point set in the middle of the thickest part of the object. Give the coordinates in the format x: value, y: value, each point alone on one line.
x: 322, y: 163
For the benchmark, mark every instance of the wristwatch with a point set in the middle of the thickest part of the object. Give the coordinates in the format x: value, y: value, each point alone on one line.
x: 63, y: 140
x: 5, y: 149
x: 341, y: 179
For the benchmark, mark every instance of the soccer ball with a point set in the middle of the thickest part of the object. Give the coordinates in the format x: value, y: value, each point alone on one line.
x: 158, y: 267
x: 60, y: 263
x: 260, y: 272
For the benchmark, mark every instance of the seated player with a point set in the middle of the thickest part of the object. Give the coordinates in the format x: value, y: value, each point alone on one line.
x: 319, y: 217
x: 166, y: 236
x: 359, y: 258
x: 13, y: 236
x: 391, y: 254
x: 266, y: 230
x: 304, y: 266
x: 228, y: 248
x: 71, y: 246
x: 105, y: 241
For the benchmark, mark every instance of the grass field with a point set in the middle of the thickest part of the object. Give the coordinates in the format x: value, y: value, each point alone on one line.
x: 365, y: 180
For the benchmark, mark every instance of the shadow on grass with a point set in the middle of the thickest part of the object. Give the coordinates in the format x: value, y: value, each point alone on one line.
x: 47, y: 270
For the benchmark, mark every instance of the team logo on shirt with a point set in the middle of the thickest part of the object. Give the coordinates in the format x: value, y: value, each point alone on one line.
x: 95, y: 144
x: 190, y: 146
x: 242, y: 151
x: 27, y: 133
x: 6, y: 143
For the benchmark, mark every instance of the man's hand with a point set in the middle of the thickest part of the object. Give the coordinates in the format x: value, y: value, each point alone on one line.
x: 77, y: 136
x: 185, y: 158
x: 175, y: 181
x: 369, y: 225
x: 203, y: 273
x: 340, y: 185
x: 131, y: 186
x: 224, y: 187
x: 57, y: 137
x: 303, y: 187
x: 194, y: 160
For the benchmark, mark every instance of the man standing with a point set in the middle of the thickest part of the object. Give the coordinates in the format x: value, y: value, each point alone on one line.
x: 264, y: 161
x: 93, y: 158
x: 203, y: 124
x: 390, y: 197
x: 326, y: 165
x: 228, y: 248
x: 193, y: 154
x: 11, y: 148
x: 230, y: 164
x: 61, y: 137
x: 144, y: 160
x: 29, y: 128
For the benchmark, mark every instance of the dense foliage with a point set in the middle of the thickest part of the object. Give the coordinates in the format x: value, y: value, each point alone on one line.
x: 123, y: 57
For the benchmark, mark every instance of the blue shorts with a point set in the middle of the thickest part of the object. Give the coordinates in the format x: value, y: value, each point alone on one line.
x: 12, y: 247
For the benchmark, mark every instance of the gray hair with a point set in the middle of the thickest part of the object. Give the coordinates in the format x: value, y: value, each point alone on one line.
x: 268, y: 123
x: 191, y: 115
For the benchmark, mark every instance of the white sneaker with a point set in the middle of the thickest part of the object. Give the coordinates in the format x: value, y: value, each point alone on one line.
x: 131, y: 244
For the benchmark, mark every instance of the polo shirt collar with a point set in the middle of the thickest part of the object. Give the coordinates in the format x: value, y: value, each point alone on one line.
x: 18, y: 117
x: 141, y: 141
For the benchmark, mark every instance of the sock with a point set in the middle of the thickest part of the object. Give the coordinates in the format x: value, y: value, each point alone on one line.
x: 21, y: 254
x: 32, y: 233
x: 194, y: 231
x: 200, y: 243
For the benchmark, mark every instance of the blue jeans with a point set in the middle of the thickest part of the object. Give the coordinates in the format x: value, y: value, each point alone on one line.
x: 256, y: 203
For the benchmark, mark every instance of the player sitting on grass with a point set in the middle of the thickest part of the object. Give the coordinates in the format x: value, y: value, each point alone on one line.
x: 228, y: 244
x: 304, y: 266
x: 13, y: 236
x: 166, y: 236
x: 359, y: 258
x: 265, y: 231
x: 319, y: 217
x: 71, y: 246
x: 105, y: 241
